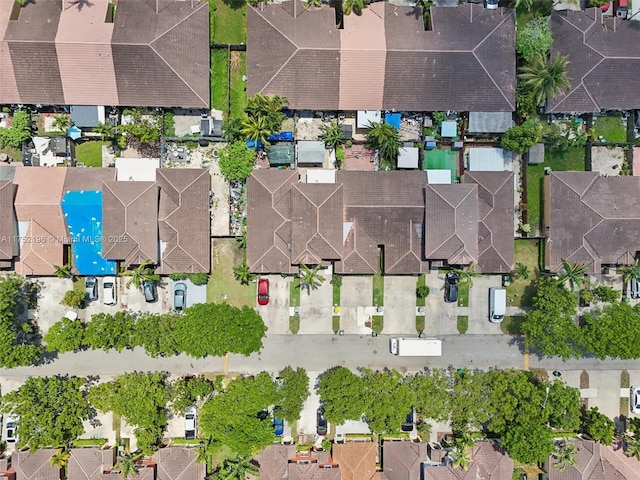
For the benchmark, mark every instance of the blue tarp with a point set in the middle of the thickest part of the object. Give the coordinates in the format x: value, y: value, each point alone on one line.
x: 74, y: 132
x: 83, y: 214
x: 274, y: 137
x: 392, y: 119
x: 252, y: 144
x: 286, y: 135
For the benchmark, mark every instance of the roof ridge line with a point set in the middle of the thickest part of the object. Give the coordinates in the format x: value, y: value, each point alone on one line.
x: 177, y: 74
x: 193, y: 12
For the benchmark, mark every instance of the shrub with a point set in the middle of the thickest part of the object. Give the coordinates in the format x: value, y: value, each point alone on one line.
x: 195, y: 278
x: 422, y: 291
x: 73, y: 298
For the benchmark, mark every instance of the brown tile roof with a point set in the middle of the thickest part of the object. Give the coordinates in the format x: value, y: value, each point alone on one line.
x: 130, y: 222
x: 178, y: 463
x: 360, y: 252
x: 590, y: 465
x: 384, y: 58
x: 184, y: 223
x: 357, y: 460
x: 495, y: 216
x: 72, y: 56
x: 451, y: 225
x: 604, y: 57
x: 87, y: 178
x: 36, y: 465
x: 273, y: 461
x: 625, y: 467
x: 403, y: 460
x: 88, y: 463
x: 313, y: 471
x: 590, y: 219
x: 8, y: 222
x: 38, y: 209
x: 490, y: 462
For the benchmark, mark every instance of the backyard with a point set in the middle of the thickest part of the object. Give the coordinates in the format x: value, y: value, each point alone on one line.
x: 571, y: 158
x: 90, y: 153
x: 610, y: 129
x: 222, y: 286
x: 520, y: 291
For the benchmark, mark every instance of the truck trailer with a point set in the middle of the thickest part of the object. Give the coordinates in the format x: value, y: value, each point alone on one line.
x: 416, y: 347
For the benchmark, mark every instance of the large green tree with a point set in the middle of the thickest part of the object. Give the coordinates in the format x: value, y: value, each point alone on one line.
x: 431, y: 396
x: 562, y: 409
x: 188, y: 391
x: 598, y: 426
x: 106, y: 331
x: 18, y: 132
x: 293, y: 390
x: 51, y: 410
x: 528, y: 444
x: 231, y: 417
x: 387, y: 400
x: 545, y: 79
x: 65, y: 336
x: 342, y: 395
x: 534, y: 39
x: 386, y: 139
x: 156, y: 334
x: 469, y: 402
x: 521, y: 138
x: 613, y: 332
x: 236, y: 161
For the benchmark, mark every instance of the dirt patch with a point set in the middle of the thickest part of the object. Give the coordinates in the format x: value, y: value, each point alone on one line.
x: 607, y: 160
x: 222, y: 286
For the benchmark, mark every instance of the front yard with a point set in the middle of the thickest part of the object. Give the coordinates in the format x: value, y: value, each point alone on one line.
x: 222, y: 286
x: 520, y: 291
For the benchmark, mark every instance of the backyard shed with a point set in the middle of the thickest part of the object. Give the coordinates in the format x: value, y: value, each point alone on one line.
x: 438, y: 177
x: 489, y: 160
x: 490, y: 122
x: 87, y: 116
x: 311, y: 152
x: 281, y: 155
x: 392, y: 119
x: 536, y: 154
x: 368, y: 116
x: 446, y: 160
x: 408, y: 157
x: 347, y: 131
x: 136, y: 169
x: 210, y: 127
x: 449, y: 129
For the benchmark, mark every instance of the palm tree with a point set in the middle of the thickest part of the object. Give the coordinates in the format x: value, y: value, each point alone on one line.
x: 142, y: 273
x: 355, y: 6
x: 521, y: 271
x: 632, y: 447
x: 60, y: 459
x: 631, y: 272
x: 256, y: 129
x: 545, y: 79
x: 202, y: 454
x: 386, y: 139
x: 63, y: 271
x: 312, y: 3
x: 62, y: 122
x: 332, y: 135
x: 573, y: 273
x: 106, y: 130
x: 127, y: 465
x: 467, y: 275
x: 461, y: 457
x: 564, y: 453
x: 526, y: 4
x: 310, y: 278
x: 238, y: 468
x: 242, y: 273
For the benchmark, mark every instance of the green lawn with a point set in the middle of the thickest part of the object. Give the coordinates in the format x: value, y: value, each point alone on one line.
x: 230, y: 22
x: 420, y: 302
x: 294, y: 324
x: 90, y: 153
x: 219, y: 73
x: 463, y: 323
x: 463, y: 295
x: 222, y: 285
x: 12, y: 153
x: 520, y: 291
x: 335, y: 323
x: 336, y: 293
x: 420, y: 323
x: 238, y: 85
x: 570, y: 159
x: 377, y: 323
x: 378, y: 290
x: 294, y: 292
x: 511, y: 325
x: 611, y: 128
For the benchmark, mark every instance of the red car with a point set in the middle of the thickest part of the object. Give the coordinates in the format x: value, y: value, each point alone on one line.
x: 263, y: 291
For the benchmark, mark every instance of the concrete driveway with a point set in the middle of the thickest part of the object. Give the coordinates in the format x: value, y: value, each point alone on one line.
x: 440, y: 317
x: 316, y: 309
x: 276, y: 313
x: 195, y: 293
x: 49, y: 308
x: 307, y: 423
x: 355, y: 292
x: 400, y: 305
x: 478, y: 310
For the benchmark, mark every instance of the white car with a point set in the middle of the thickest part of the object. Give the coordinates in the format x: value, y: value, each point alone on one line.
x: 12, y: 421
x: 634, y: 399
x: 190, y: 423
x: 109, y: 290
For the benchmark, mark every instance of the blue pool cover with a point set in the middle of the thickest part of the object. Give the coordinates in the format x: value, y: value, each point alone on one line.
x: 392, y: 119
x: 83, y: 214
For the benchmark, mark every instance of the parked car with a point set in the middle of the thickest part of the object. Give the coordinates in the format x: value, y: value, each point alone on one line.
x: 634, y: 288
x: 605, y: 7
x: 12, y: 421
x: 150, y: 291
x: 179, y: 296
x: 278, y: 422
x: 492, y: 4
x: 91, y: 288
x: 634, y: 399
x: 190, y: 423
x: 407, y: 426
x: 109, y: 291
x: 321, y: 422
x: 451, y: 287
x: 263, y: 414
x: 263, y: 291
x: 623, y: 8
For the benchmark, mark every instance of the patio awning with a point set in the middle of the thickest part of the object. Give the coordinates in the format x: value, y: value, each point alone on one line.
x: 74, y: 132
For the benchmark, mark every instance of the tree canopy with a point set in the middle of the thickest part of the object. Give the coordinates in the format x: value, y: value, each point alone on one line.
x: 521, y: 138
x: 598, y: 426
x: 19, y: 131
x: 187, y: 391
x: 613, y: 331
x: 341, y: 391
x: 293, y: 390
x: 51, y: 410
x: 534, y: 39
x: 236, y: 161
x: 387, y: 400
x: 65, y: 336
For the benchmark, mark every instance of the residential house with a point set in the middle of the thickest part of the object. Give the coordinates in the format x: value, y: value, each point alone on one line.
x: 274, y: 461
x: 36, y: 465
x: 89, y: 463
x: 357, y: 460
x: 595, y: 461
x: 5, y: 468
x: 384, y: 58
x: 132, y: 53
x: 178, y: 463
x: 363, y: 218
x: 489, y: 462
x: 404, y: 460
x: 590, y: 219
x: 310, y: 465
x: 8, y: 225
x: 603, y: 61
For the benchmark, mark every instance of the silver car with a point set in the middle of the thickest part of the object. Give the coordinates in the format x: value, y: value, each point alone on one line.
x: 179, y: 296
x: 634, y: 399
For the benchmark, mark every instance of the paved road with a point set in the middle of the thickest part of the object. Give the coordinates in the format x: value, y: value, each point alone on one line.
x: 317, y: 353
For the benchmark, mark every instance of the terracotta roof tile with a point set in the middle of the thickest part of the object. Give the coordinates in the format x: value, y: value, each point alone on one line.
x: 86, y: 463
x: 8, y: 222
x: 35, y: 466
x: 357, y: 460
x: 178, y: 463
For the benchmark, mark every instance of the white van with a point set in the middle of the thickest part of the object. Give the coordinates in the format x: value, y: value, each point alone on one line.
x: 497, y: 304
x: 109, y: 290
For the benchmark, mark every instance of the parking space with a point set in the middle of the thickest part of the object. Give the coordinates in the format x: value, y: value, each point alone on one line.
x: 478, y: 310
x: 307, y: 423
x: 605, y: 387
x: 316, y: 309
x: 276, y: 313
x: 194, y: 293
x: 355, y: 292
x: 399, y: 305
x: 440, y: 317
x: 50, y: 310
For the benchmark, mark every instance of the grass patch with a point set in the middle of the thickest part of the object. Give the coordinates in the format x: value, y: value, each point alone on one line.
x: 335, y: 323
x: 219, y: 74
x: 570, y: 159
x: 294, y: 324
x: 420, y: 323
x: 12, y: 153
x: 463, y: 295
x: 463, y: 323
x: 89, y: 442
x: 90, y: 153
x: 222, y: 286
x: 184, y: 441
x: 294, y: 292
x: 624, y: 406
x: 610, y: 128
x: 336, y: 294
x: 377, y: 323
x: 230, y: 25
x: 584, y: 379
x: 220, y: 455
x: 625, y: 382
x: 520, y: 292
x: 511, y: 325
x: 378, y: 290
x: 238, y: 65
x: 422, y: 281
x: 78, y: 283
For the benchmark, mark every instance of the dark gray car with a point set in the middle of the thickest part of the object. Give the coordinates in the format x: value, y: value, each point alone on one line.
x: 451, y: 287
x: 91, y: 288
x: 150, y: 291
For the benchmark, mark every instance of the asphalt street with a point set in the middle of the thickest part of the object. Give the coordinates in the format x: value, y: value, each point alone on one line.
x: 318, y: 353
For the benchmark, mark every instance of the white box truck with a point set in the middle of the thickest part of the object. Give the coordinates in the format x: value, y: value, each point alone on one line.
x: 497, y: 304
x: 416, y: 347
